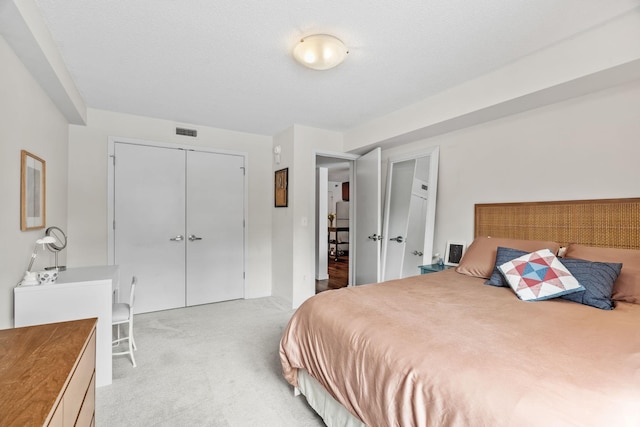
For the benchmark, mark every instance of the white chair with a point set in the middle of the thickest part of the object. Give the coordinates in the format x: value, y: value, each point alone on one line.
x: 123, y: 313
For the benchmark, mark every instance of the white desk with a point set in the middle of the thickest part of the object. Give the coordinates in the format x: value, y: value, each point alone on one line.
x: 79, y: 293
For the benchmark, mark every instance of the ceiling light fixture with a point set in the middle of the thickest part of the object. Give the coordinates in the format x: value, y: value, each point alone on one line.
x: 320, y: 51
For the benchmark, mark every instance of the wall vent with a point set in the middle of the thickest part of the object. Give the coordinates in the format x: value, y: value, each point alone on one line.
x: 186, y: 132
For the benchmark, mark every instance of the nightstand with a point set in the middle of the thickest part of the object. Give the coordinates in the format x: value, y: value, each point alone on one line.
x: 433, y: 268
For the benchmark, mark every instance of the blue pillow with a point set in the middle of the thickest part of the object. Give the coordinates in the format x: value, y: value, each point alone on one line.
x: 597, y: 279
x: 503, y: 255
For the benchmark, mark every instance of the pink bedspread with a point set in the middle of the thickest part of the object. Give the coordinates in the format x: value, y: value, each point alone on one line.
x: 443, y: 349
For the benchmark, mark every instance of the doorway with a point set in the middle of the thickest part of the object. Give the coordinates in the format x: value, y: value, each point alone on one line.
x: 364, y: 223
x: 333, y: 178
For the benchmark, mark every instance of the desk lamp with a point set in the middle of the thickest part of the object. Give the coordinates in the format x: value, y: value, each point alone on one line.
x: 31, y: 278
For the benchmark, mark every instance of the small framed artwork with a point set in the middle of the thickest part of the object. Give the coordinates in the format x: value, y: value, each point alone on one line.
x: 453, y: 254
x: 32, y: 192
x: 281, y: 188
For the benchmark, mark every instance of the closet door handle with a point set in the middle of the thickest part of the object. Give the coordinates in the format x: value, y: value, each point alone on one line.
x: 398, y: 239
x: 193, y: 237
x: 178, y: 238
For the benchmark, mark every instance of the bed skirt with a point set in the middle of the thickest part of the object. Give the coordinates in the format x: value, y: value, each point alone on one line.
x: 332, y: 413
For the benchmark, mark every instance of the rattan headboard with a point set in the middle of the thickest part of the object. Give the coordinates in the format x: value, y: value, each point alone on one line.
x: 613, y: 223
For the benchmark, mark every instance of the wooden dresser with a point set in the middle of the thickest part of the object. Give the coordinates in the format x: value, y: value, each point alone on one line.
x: 47, y: 374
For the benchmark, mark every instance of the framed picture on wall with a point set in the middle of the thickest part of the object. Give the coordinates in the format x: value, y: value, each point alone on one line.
x: 453, y: 254
x: 32, y: 191
x: 281, y: 188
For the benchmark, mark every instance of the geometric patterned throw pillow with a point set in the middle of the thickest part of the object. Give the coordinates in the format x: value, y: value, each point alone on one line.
x: 538, y: 276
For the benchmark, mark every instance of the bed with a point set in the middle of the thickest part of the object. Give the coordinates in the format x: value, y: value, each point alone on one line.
x: 446, y: 349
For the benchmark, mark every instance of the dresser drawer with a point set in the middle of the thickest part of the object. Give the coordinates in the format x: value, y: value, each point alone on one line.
x: 81, y: 379
x: 56, y: 418
x: 85, y: 418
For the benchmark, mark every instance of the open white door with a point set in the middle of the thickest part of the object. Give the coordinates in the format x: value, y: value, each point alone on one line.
x: 367, y: 218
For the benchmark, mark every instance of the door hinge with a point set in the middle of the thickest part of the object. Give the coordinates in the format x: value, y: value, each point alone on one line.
x: 114, y: 224
x: 113, y: 159
x: 243, y: 170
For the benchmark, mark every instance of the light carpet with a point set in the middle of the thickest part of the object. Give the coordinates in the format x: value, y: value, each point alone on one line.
x: 209, y: 365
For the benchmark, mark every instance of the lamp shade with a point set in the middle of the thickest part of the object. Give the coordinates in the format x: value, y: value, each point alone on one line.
x: 320, y: 51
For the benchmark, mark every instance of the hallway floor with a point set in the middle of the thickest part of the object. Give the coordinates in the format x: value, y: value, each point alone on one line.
x: 338, y: 275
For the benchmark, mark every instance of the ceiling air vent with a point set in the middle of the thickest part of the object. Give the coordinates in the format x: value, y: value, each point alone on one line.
x: 186, y: 132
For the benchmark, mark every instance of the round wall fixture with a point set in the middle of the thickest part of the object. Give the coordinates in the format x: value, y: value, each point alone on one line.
x: 320, y: 51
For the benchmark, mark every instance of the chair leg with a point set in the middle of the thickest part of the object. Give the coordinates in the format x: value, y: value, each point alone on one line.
x: 131, y: 343
x: 119, y: 336
x: 133, y: 340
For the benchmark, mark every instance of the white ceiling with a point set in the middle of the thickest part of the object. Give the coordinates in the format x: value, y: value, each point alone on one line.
x: 227, y: 63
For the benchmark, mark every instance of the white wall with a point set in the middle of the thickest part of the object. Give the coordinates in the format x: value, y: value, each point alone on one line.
x: 25, y: 30
x: 282, y: 235
x: 583, y: 148
x: 30, y: 121
x: 334, y: 194
x: 88, y: 186
x: 293, y: 227
x: 322, y: 222
x: 596, y: 59
x: 306, y: 141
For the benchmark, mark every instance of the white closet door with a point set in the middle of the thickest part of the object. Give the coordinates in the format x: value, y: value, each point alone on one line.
x: 149, y: 217
x: 414, y: 247
x: 398, y: 203
x: 215, y: 227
